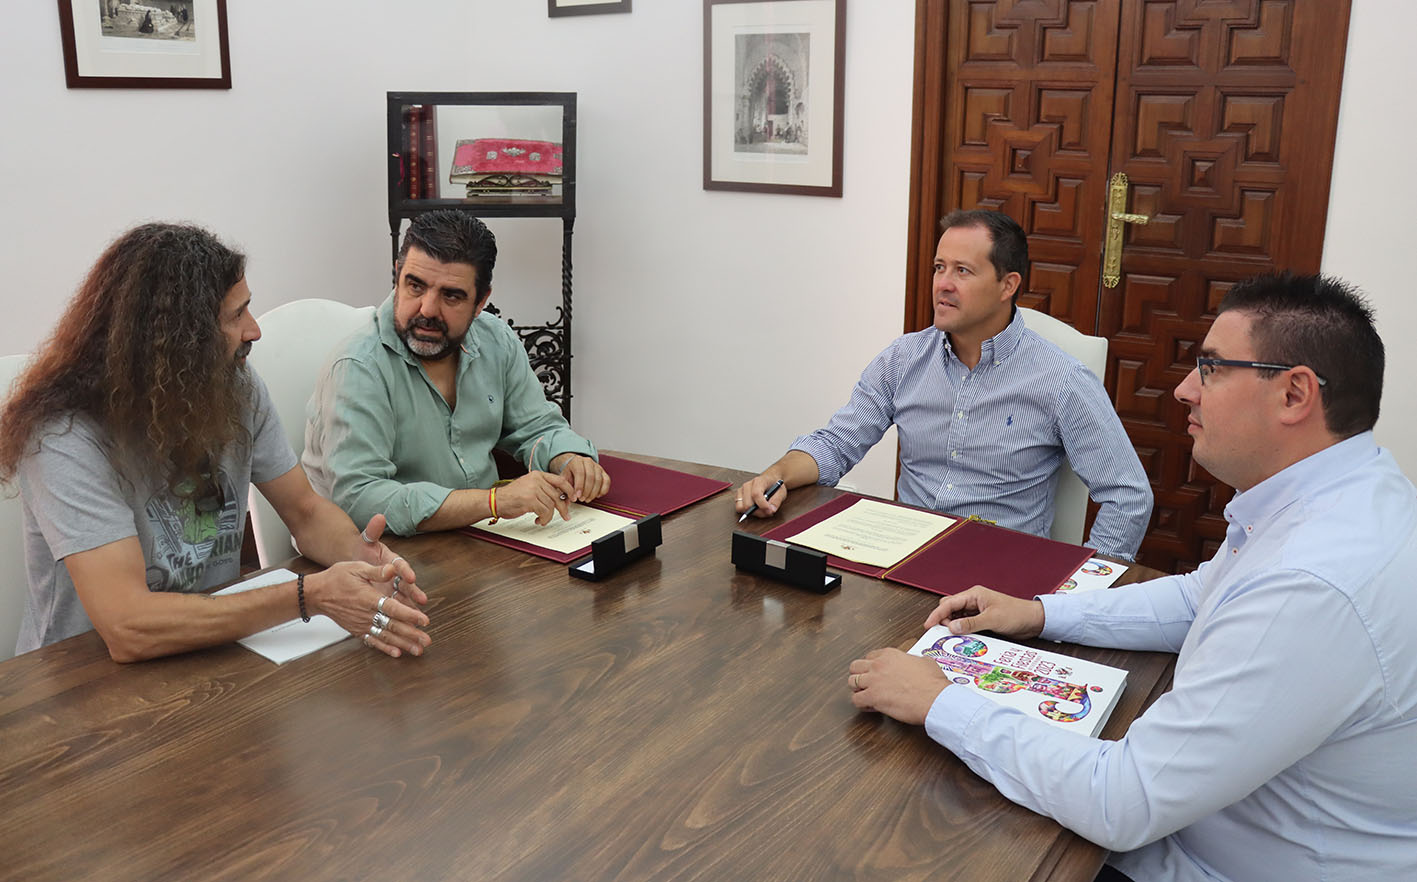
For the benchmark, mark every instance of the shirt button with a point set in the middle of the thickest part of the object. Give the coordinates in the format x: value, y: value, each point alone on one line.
x: 1234, y: 551
x: 960, y: 414
x: 949, y: 486
x: 955, y: 454
x: 1249, y: 528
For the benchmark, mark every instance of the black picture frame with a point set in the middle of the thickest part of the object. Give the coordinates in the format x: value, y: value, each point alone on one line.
x: 558, y: 8
x: 90, y: 64
x: 746, y: 62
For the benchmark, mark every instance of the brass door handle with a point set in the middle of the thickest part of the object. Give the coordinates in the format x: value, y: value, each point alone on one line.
x: 1117, y: 215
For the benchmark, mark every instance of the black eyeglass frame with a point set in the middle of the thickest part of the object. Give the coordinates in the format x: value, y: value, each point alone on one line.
x: 1203, y: 362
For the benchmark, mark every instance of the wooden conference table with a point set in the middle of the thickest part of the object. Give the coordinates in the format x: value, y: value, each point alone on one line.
x: 679, y: 721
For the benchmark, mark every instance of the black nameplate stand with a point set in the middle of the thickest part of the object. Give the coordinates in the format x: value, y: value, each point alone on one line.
x: 797, y: 566
x: 611, y: 552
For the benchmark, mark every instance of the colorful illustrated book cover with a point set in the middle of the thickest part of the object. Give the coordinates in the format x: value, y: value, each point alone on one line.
x: 1058, y: 689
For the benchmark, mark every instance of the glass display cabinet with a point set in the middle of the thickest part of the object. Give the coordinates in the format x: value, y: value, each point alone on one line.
x: 494, y: 154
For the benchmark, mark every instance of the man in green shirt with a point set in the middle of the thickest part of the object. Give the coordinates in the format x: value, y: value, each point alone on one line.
x: 405, y: 418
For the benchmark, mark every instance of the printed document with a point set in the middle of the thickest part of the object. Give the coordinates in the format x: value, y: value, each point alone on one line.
x: 873, y: 533
x: 586, y: 525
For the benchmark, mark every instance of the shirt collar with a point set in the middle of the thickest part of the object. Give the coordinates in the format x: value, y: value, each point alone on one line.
x: 1301, y: 479
x: 999, y: 347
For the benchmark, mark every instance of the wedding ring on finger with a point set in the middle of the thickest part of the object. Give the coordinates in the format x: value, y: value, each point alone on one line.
x: 365, y: 536
x: 381, y: 620
x: 375, y: 631
x: 366, y: 641
x: 382, y: 601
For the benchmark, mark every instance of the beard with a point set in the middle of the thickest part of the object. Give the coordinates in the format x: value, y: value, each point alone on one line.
x: 242, y: 351
x: 429, y: 350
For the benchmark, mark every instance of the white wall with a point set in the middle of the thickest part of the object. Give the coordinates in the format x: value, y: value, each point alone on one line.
x: 1369, y: 236
x: 688, y: 303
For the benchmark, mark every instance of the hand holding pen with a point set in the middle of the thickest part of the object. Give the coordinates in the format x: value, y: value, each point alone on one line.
x: 754, y: 507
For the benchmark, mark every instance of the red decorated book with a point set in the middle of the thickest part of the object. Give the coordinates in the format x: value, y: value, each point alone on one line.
x: 962, y: 555
x: 637, y: 490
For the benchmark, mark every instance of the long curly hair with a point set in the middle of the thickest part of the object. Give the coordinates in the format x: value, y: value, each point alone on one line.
x: 140, y: 350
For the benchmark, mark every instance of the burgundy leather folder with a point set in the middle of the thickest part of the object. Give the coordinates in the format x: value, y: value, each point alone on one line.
x: 965, y: 554
x: 637, y: 490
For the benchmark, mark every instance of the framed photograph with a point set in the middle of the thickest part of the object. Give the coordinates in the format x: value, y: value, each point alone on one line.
x: 145, y: 44
x: 774, y: 72
x: 555, y: 8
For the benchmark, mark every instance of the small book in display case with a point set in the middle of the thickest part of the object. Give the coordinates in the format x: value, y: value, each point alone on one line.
x: 1067, y: 692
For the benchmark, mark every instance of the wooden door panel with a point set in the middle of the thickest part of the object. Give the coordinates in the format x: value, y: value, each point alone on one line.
x: 1214, y: 132
x: 1028, y: 118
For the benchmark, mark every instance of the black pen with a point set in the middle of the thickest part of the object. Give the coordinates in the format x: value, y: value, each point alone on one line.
x: 754, y: 507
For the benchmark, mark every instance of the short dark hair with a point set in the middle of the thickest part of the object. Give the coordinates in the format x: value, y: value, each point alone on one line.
x: 1325, y: 324
x: 452, y: 236
x: 1009, y: 253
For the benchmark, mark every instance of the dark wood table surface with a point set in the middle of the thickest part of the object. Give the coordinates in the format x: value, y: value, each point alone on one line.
x: 679, y: 721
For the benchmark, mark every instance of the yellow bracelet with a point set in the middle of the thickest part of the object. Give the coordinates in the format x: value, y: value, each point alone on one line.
x: 492, y: 503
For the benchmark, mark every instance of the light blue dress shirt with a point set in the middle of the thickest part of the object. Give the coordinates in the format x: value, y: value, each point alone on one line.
x: 989, y: 442
x: 1287, y: 748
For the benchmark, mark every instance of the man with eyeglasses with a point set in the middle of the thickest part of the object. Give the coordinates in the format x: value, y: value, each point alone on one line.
x: 1284, y: 749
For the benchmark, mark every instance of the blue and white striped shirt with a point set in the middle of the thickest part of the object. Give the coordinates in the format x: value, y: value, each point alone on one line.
x: 988, y: 442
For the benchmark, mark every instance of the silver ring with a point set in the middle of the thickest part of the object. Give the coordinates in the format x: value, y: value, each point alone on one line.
x: 856, y: 682
x: 398, y: 582
x: 366, y: 640
x: 365, y: 536
x: 381, y: 620
x: 396, y: 560
x: 375, y: 631
x: 382, y: 601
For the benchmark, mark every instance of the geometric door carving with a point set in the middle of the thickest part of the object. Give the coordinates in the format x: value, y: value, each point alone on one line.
x: 1222, y: 113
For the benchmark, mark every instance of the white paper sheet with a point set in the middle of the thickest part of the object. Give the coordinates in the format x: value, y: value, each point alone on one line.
x: 873, y: 533
x: 292, y: 639
x: 584, y: 527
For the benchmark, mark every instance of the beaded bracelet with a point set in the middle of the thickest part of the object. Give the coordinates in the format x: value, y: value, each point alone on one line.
x: 300, y: 597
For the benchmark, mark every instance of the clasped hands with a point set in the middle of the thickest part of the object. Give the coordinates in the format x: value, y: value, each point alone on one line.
x: 904, y: 686
x: 374, y: 596
x: 573, y: 478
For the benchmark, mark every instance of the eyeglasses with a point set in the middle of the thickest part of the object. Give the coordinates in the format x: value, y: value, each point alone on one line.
x: 1206, y: 366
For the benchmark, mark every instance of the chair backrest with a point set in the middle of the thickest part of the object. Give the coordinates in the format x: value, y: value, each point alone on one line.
x: 1070, y: 501
x: 297, y: 340
x: 14, y: 582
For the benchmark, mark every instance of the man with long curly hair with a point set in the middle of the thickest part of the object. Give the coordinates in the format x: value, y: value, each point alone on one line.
x: 134, y: 436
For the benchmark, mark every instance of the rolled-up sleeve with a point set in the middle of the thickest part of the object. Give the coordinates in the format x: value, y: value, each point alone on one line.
x: 348, y: 450
x: 534, y: 431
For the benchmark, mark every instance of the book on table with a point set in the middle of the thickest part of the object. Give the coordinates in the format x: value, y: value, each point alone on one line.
x: 1067, y: 692
x: 637, y: 490
x: 941, y: 554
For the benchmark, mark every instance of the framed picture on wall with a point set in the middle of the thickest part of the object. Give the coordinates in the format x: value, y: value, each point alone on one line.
x: 585, y: 7
x: 774, y: 72
x: 155, y: 44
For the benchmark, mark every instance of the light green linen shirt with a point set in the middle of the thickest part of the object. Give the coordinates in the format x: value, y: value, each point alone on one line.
x: 380, y: 438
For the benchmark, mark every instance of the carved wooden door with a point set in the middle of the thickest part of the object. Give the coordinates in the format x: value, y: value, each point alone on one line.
x: 1221, y: 112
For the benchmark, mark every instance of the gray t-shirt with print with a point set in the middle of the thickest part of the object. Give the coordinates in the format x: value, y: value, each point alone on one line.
x: 76, y: 499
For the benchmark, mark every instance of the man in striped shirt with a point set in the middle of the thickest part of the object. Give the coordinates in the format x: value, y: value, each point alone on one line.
x: 985, y: 409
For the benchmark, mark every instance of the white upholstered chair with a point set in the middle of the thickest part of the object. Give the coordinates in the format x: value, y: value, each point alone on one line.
x: 297, y: 340
x: 14, y: 582
x: 1070, y: 501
